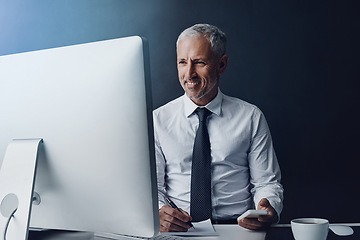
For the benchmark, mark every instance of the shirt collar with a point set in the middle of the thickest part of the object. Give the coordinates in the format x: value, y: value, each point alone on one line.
x: 214, y: 106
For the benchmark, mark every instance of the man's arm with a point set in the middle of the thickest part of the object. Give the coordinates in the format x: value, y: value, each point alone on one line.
x: 265, y: 175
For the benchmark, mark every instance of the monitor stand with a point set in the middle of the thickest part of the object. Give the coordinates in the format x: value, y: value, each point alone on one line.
x: 17, y: 175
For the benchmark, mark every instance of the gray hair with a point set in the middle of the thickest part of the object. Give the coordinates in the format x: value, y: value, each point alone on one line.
x: 216, y: 37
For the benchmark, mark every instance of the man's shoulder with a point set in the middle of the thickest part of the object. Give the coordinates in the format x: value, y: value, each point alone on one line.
x: 170, y: 107
x: 235, y: 102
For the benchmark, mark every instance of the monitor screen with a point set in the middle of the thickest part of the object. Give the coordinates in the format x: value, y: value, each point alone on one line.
x: 91, y: 105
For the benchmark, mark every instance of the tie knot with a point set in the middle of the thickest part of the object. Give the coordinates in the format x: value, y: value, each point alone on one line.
x: 203, y: 113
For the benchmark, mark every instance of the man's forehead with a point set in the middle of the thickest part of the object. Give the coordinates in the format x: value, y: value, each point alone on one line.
x: 197, y: 47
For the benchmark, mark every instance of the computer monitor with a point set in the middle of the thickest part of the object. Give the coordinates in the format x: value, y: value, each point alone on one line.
x: 91, y: 106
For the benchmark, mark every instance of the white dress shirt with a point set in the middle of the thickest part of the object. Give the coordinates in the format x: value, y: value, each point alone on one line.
x: 244, y: 165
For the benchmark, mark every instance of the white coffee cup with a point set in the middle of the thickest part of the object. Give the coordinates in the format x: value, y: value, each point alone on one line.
x: 310, y: 228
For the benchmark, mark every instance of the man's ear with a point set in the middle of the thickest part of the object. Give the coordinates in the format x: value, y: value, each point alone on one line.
x: 223, y: 63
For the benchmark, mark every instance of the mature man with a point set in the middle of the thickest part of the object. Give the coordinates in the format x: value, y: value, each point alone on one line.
x: 214, y: 163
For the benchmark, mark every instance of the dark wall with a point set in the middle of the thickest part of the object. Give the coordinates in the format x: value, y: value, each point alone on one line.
x: 297, y: 60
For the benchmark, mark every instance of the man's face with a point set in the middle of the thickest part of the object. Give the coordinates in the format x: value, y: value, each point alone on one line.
x: 198, y: 69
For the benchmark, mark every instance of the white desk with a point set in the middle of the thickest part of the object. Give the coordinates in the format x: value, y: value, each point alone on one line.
x: 235, y: 232
x: 226, y: 232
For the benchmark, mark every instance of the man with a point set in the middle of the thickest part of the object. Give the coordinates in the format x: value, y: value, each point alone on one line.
x: 243, y: 168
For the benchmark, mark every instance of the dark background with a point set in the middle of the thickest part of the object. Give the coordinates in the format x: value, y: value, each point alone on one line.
x: 298, y: 61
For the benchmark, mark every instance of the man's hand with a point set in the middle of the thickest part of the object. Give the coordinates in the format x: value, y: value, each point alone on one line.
x: 172, y: 220
x: 261, y: 222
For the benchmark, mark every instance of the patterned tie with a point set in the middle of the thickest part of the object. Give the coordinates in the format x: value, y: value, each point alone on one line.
x: 200, y: 202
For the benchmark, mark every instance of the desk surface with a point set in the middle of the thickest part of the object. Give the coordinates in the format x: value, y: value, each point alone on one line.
x: 226, y: 232
x: 284, y: 233
x: 234, y: 232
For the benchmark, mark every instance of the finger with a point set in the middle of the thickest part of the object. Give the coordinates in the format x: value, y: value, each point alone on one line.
x: 264, y: 203
x: 250, y: 223
x: 272, y: 216
x: 267, y: 218
x: 173, y: 220
x: 171, y: 228
x: 190, y: 218
x: 166, y: 226
x: 187, y: 214
x: 173, y: 225
x: 182, y: 215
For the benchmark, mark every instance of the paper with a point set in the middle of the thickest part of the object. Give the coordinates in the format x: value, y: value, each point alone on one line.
x: 204, y: 228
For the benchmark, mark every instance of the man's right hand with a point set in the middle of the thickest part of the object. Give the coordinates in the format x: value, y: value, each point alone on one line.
x: 172, y: 220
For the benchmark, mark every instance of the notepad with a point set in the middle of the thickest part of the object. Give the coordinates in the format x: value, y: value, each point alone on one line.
x: 203, y: 228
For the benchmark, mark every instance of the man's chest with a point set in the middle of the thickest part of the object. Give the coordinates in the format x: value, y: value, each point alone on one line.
x: 228, y: 140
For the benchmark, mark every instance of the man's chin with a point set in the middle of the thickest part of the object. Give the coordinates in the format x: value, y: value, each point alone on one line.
x: 194, y: 97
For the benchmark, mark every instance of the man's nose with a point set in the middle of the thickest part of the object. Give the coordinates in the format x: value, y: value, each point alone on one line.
x: 190, y: 71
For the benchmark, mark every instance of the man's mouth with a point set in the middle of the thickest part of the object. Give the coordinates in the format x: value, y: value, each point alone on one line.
x: 191, y: 83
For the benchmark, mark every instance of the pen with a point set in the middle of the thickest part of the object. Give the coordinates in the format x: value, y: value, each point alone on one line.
x: 173, y: 205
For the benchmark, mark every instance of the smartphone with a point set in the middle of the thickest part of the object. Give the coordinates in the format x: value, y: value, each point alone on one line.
x: 253, y: 214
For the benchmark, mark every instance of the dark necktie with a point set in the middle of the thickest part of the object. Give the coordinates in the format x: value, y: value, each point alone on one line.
x: 200, y: 201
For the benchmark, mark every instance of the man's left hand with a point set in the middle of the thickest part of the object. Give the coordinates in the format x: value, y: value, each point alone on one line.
x: 262, y: 222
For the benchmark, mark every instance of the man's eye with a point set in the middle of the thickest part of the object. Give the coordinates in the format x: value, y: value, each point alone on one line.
x: 182, y: 62
x: 200, y: 63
